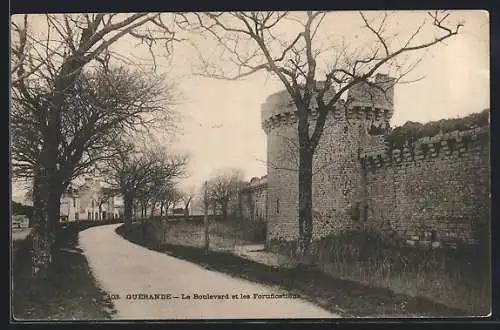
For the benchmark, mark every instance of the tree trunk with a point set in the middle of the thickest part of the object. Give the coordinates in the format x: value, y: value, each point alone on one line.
x: 143, y: 211
x: 224, y: 210
x: 240, y: 205
x: 164, y: 221
x: 41, y: 256
x: 152, y: 210
x: 46, y: 212
x: 144, y: 221
x: 127, y: 210
x: 251, y: 208
x: 161, y: 208
x: 54, y: 211
x: 45, y: 208
x: 206, y: 229
x: 305, y: 188
x: 167, y: 206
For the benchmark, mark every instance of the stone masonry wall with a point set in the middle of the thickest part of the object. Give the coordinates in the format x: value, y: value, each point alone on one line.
x: 435, y: 192
x: 337, y: 175
x: 254, y: 203
x: 282, y: 184
x: 435, y: 189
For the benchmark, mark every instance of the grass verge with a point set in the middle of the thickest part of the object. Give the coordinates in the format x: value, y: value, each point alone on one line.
x: 349, y: 298
x: 69, y: 292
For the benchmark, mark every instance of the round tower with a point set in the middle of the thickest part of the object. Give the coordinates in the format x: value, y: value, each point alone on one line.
x: 352, y: 126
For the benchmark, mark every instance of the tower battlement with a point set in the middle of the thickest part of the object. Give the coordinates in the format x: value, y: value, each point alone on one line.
x: 280, y: 104
x: 411, y: 182
x: 370, y: 101
x: 377, y: 93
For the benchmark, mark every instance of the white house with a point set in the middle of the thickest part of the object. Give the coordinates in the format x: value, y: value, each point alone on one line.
x: 70, y: 205
x: 88, y: 202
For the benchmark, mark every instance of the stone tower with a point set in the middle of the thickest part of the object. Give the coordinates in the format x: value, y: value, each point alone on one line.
x: 353, y: 126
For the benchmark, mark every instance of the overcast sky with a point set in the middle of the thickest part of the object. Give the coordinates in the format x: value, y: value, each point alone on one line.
x: 221, y: 119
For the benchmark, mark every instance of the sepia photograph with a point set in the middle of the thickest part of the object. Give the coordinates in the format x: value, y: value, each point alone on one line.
x: 253, y: 165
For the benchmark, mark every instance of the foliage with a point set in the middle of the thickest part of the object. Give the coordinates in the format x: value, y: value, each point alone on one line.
x: 412, y: 131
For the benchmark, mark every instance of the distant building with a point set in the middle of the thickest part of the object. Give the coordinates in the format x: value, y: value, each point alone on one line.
x: 253, y: 200
x: 89, y: 202
x: 119, y: 208
x: 70, y: 205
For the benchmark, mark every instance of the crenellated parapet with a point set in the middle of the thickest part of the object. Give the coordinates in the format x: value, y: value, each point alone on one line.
x: 367, y: 101
x: 377, y: 93
x: 279, y: 109
x: 453, y: 144
x: 289, y: 118
x: 279, y: 103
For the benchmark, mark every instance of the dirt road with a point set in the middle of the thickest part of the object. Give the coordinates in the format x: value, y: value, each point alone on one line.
x: 149, y: 285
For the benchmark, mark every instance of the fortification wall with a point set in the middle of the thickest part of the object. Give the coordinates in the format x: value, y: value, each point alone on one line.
x: 434, y: 190
x: 337, y: 179
x: 254, y: 201
x: 337, y: 174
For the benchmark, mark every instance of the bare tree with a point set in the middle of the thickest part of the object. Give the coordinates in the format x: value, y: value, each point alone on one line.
x: 127, y: 172
x: 167, y: 195
x: 187, y: 196
x: 223, y: 187
x: 132, y: 171
x: 174, y: 199
x: 44, y: 69
x: 144, y: 196
x: 104, y: 196
x: 103, y: 105
x: 251, y: 42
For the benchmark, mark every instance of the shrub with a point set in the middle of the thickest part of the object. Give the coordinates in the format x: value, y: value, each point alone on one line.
x: 257, y: 231
x: 459, y: 278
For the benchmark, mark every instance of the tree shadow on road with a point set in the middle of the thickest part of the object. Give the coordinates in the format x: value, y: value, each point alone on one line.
x: 69, y: 292
x: 348, y: 298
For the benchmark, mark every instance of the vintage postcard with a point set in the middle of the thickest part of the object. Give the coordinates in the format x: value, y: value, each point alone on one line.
x: 250, y: 165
